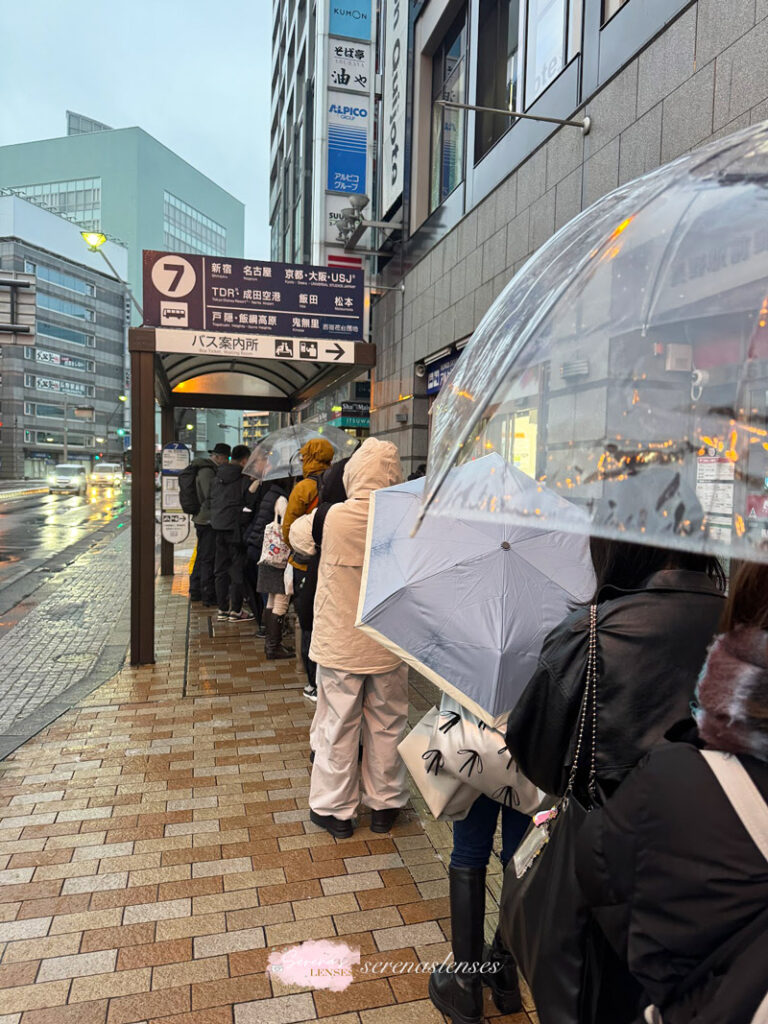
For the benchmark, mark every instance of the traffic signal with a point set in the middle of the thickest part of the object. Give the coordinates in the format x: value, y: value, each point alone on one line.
x: 97, y: 456
x: 120, y: 432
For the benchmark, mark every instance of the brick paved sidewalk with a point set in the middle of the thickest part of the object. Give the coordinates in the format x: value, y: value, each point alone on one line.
x: 155, y: 848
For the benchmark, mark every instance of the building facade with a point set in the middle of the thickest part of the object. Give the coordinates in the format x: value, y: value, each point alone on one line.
x: 481, y: 192
x: 60, y: 390
x: 131, y: 187
x: 128, y: 185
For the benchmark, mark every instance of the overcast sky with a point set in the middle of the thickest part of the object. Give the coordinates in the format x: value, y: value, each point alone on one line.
x: 193, y: 73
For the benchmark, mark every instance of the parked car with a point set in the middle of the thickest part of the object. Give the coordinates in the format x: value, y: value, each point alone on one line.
x: 106, y: 474
x: 67, y: 477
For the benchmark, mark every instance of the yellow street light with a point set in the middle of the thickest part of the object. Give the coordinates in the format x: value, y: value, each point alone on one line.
x: 93, y: 239
x: 190, y: 426
x: 122, y: 398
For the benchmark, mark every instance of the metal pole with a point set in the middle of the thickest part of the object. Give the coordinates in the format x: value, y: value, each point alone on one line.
x: 65, y: 453
x: 168, y: 435
x: 142, y: 348
x: 137, y: 307
x: 585, y: 125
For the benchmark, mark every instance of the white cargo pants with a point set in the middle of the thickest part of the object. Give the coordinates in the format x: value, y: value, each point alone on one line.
x: 347, y: 702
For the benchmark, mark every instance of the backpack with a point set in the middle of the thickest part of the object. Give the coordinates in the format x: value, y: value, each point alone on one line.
x: 274, y: 550
x: 189, y: 499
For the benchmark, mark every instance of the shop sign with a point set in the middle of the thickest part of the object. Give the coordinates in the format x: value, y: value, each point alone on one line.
x: 351, y: 18
x: 349, y: 66
x: 355, y: 408
x: 393, y: 101
x: 439, y: 372
x: 757, y: 506
x: 66, y: 387
x: 356, y: 422
x: 269, y: 300
x: 59, y: 359
x: 348, y: 121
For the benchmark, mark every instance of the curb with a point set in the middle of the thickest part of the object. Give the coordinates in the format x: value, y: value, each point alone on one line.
x: 11, y: 495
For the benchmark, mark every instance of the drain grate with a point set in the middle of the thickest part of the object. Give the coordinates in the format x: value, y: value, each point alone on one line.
x: 75, y: 657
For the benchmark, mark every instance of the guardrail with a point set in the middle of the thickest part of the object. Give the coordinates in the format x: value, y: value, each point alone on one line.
x: 22, y: 493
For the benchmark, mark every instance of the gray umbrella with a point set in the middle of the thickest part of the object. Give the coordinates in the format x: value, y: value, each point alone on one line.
x: 468, y: 603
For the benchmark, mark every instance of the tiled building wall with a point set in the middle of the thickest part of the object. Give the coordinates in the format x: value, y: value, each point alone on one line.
x: 704, y: 77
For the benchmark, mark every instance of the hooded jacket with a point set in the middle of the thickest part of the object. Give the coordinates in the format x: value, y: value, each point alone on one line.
x: 206, y: 471
x: 229, y: 496
x: 264, y: 514
x: 335, y: 641
x: 317, y: 455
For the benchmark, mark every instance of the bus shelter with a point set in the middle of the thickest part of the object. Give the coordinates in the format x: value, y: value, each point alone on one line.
x: 275, y: 361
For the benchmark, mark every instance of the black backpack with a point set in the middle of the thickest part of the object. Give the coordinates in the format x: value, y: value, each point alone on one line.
x: 189, y: 499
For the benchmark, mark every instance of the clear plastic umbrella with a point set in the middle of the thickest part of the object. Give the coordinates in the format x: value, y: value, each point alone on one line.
x: 277, y: 454
x: 637, y: 337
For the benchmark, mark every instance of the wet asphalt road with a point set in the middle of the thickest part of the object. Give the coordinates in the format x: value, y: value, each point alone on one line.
x: 34, y: 530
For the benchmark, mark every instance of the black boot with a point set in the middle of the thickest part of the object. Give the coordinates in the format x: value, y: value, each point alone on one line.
x: 459, y: 993
x: 266, y: 616
x: 274, y: 646
x: 502, y: 981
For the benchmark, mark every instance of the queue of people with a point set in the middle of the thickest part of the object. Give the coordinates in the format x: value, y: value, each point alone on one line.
x: 645, y: 724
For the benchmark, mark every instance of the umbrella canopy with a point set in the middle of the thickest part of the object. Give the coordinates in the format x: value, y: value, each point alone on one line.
x: 637, y: 337
x: 469, y: 603
x: 277, y: 454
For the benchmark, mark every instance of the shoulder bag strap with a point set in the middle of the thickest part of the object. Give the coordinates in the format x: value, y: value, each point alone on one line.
x: 590, y: 697
x: 743, y: 794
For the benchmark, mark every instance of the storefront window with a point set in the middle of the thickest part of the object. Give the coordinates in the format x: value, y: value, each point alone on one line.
x: 554, y: 37
x: 497, y: 72
x: 448, y: 83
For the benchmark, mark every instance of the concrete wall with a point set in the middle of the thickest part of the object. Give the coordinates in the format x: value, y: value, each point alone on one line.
x: 705, y: 76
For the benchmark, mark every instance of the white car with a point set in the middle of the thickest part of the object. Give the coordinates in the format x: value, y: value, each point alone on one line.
x: 67, y: 477
x: 106, y: 474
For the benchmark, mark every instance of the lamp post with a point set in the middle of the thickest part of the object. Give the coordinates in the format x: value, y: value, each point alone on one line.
x: 94, y: 240
x: 121, y: 400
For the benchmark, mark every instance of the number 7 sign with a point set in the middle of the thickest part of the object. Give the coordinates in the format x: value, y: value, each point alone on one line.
x: 173, y: 276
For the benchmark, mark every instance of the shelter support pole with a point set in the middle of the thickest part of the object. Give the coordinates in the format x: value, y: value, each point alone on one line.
x: 168, y: 431
x: 142, y: 348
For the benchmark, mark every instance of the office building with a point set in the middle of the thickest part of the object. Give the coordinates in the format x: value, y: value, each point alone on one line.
x: 125, y: 183
x: 61, y: 385
x: 322, y: 144
x: 480, y: 192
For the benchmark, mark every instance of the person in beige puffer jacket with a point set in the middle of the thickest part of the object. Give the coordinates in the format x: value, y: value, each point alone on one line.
x: 361, y: 685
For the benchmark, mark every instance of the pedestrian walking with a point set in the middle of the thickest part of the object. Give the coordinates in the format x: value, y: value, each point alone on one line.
x: 362, y: 687
x: 195, y: 498
x: 675, y: 865
x: 316, y: 456
x: 232, y: 498
x: 270, y: 579
x: 656, y: 611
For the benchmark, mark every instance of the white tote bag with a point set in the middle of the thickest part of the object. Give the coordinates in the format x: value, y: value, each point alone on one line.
x: 274, y: 550
x: 445, y: 796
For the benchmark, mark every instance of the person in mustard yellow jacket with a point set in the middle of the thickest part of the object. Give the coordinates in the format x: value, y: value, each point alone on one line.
x: 316, y: 456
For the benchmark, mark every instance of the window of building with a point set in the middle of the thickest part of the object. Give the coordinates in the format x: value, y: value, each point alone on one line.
x: 54, y: 437
x: 78, y: 200
x: 610, y: 7
x: 65, y: 334
x: 58, y: 277
x: 498, y: 70
x: 449, y: 75
x: 554, y: 36
x: 41, y: 409
x: 65, y: 306
x: 188, y: 229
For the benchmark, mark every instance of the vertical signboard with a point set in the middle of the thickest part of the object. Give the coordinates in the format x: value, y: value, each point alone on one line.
x: 393, y: 102
x: 349, y: 66
x: 351, y: 18
x: 348, y: 120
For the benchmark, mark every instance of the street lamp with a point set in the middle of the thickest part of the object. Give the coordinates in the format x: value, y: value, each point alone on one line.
x: 94, y: 240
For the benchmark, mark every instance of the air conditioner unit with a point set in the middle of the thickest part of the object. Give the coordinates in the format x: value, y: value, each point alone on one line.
x: 574, y: 368
x: 679, y: 359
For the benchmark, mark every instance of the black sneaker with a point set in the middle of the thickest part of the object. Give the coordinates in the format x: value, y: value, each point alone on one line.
x: 338, y: 829
x: 382, y: 821
x: 310, y: 692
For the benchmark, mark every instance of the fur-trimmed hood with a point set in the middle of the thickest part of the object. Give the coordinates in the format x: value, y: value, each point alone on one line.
x: 731, y: 708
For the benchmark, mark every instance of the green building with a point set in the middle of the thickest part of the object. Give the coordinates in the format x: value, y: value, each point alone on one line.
x: 130, y: 186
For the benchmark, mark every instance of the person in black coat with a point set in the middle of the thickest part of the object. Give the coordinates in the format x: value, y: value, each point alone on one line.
x: 657, y: 612
x: 674, y: 879
x: 232, y: 498
x: 266, y: 579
